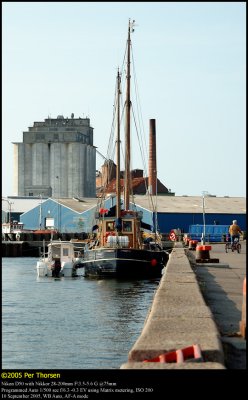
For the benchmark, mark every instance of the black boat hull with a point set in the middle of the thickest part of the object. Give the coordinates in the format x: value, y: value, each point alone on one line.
x: 124, y: 263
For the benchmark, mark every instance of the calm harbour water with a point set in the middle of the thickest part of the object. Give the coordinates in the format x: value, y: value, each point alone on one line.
x: 70, y: 323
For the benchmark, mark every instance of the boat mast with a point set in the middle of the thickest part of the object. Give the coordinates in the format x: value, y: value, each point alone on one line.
x: 128, y: 108
x: 118, y: 182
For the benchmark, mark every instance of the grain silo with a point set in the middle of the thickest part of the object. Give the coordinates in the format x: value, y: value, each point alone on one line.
x: 56, y: 159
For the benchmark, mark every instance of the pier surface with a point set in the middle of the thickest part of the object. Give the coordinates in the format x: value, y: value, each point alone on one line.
x: 222, y: 288
x: 195, y: 304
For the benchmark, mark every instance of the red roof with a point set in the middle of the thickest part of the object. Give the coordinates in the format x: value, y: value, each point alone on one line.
x: 139, y: 186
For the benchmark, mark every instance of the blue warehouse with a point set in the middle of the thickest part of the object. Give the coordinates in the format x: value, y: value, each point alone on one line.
x: 173, y: 212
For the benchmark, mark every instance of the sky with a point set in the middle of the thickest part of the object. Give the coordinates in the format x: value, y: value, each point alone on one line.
x: 60, y: 58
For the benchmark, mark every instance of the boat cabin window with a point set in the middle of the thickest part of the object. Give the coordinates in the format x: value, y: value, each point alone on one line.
x: 65, y: 252
x: 55, y: 252
x: 110, y: 226
x: 127, y: 226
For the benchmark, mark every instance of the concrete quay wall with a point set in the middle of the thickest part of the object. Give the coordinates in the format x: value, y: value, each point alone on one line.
x: 178, y: 318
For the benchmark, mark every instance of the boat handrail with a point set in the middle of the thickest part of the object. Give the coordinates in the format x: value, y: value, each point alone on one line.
x: 43, y: 255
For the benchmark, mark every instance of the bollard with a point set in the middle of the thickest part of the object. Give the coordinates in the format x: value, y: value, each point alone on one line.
x: 242, y: 323
x: 202, y: 252
x: 186, y: 241
x: 192, y: 244
x: 202, y: 255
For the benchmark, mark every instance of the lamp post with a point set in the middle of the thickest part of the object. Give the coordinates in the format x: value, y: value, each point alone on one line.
x: 40, y: 211
x: 203, y: 215
x: 57, y: 177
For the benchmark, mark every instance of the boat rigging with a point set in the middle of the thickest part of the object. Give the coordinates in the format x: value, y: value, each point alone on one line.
x: 121, y: 248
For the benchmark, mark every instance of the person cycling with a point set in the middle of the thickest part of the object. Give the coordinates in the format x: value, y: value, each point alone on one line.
x: 234, y: 231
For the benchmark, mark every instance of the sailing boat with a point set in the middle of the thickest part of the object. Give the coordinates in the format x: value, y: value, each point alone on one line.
x: 120, y: 249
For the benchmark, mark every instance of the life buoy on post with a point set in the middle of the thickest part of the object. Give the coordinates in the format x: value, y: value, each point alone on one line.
x: 172, y: 236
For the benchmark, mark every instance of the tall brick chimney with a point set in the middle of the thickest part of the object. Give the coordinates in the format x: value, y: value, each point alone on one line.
x: 152, y: 177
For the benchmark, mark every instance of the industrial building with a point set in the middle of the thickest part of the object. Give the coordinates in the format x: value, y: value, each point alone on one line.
x: 13, y: 207
x: 182, y: 211
x: 106, y: 182
x: 70, y: 215
x: 106, y: 179
x: 173, y: 212
x: 56, y: 159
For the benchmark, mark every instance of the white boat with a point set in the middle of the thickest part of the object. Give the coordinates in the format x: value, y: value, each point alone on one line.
x: 13, y: 230
x: 62, y: 259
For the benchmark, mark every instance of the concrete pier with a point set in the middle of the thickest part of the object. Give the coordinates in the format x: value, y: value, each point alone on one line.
x: 181, y: 315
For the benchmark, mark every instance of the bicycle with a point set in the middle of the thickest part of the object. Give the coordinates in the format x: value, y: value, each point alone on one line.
x: 233, y: 246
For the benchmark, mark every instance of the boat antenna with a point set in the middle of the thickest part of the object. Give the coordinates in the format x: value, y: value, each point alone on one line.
x: 128, y: 108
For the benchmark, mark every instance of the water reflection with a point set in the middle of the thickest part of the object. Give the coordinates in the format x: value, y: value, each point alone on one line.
x: 71, y: 322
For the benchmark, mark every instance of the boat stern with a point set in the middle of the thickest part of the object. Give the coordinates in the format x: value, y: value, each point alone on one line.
x: 41, y: 269
x: 68, y: 269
